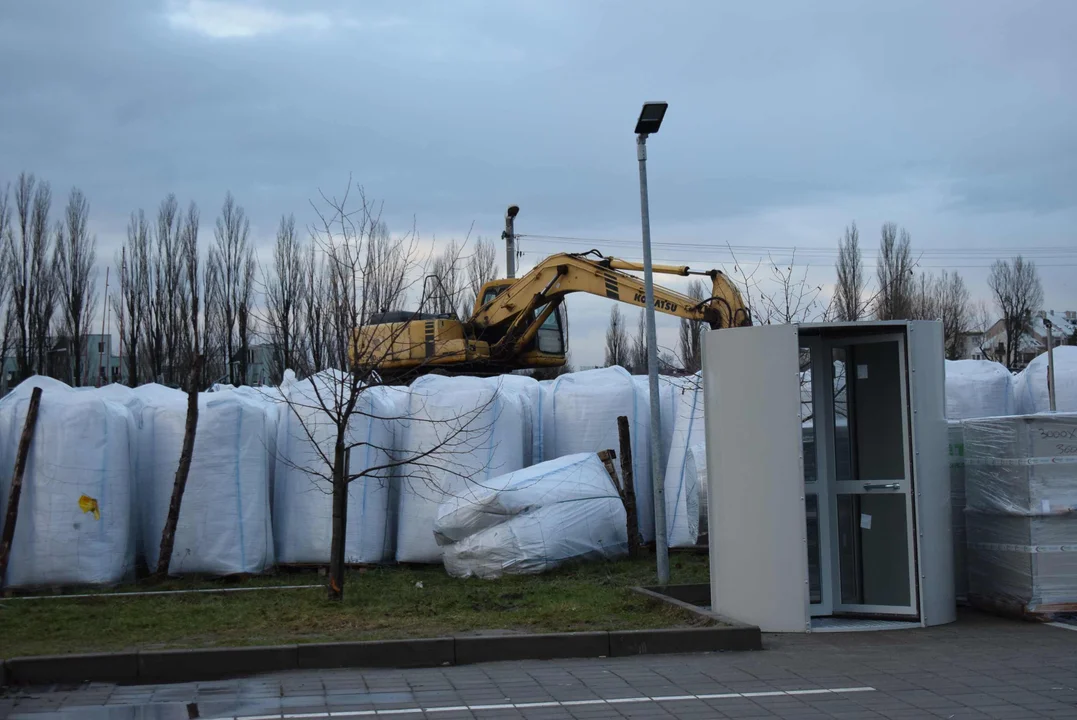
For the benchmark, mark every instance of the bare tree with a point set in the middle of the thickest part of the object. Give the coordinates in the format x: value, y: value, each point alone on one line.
x: 76, y: 252
x: 164, y: 324
x: 849, y: 302
x: 792, y: 298
x: 7, y: 316
x: 449, y: 281
x: 637, y: 354
x: 32, y: 269
x: 980, y: 322
x: 315, y: 311
x: 385, y: 267
x: 187, y: 259
x: 132, y: 303
x: 335, y: 398
x: 1018, y: 293
x: 953, y: 308
x: 191, y: 285
x: 894, y: 272
x: 286, y: 291
x: 481, y: 268
x: 618, y: 346
x: 233, y: 260
x: 690, y: 336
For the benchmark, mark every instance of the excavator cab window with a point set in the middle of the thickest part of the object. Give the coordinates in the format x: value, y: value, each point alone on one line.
x: 550, y: 337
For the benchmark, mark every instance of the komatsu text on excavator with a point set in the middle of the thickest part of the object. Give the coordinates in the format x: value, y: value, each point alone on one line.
x: 520, y: 323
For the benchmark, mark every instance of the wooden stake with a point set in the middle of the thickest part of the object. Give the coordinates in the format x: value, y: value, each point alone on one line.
x: 628, y: 496
x: 168, y: 534
x: 12, y: 514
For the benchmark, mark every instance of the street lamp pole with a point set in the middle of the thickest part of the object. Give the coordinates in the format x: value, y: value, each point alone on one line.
x: 650, y: 120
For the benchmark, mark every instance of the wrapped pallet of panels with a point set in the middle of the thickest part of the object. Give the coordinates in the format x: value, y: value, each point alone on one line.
x: 457, y: 432
x: 76, y: 511
x: 1021, y: 495
x: 957, y: 508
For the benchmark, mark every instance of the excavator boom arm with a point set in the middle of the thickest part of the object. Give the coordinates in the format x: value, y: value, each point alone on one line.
x: 559, y: 275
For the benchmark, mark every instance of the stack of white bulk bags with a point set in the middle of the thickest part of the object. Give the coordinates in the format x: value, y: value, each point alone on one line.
x: 75, y: 521
x: 978, y: 388
x: 668, y: 388
x: 533, y: 520
x: 303, y: 491
x: 1030, y: 387
x: 456, y: 433
x: 579, y: 414
x: 681, y: 482
x: 224, y: 524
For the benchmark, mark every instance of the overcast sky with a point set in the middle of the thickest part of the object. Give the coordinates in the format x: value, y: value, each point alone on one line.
x: 787, y: 121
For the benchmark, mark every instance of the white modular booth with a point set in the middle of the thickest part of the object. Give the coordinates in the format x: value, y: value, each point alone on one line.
x: 833, y: 513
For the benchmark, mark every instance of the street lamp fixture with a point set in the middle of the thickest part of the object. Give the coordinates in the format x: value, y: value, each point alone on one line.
x: 650, y: 118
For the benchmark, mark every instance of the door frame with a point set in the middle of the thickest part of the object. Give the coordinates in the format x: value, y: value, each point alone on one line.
x: 834, y: 487
x: 821, y: 414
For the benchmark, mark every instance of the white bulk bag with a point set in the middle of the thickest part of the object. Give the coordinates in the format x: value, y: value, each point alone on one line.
x: 303, y: 492
x: 1030, y: 387
x: 681, y: 486
x: 567, y: 479
x: 978, y: 388
x: 534, y: 519
x: 456, y: 432
x: 579, y: 414
x: 667, y: 405
x: 695, y: 469
x: 75, y: 522
x: 224, y: 525
x: 530, y: 393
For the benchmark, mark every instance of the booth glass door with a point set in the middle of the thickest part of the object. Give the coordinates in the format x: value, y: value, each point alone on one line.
x: 872, y: 566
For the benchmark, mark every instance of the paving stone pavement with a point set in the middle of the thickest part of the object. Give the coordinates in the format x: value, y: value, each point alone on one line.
x: 979, y: 667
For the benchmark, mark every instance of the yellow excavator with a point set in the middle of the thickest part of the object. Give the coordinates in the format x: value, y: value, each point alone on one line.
x: 520, y: 323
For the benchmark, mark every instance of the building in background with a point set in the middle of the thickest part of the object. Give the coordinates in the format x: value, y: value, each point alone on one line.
x: 991, y: 344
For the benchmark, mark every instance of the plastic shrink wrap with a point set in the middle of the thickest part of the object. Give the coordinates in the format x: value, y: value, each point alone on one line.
x: 529, y: 393
x: 682, y: 484
x: 1021, y: 495
x: 224, y: 525
x: 695, y: 470
x: 533, y: 520
x: 579, y: 414
x: 303, y: 493
x: 978, y: 388
x: 76, y: 512
x: 956, y: 435
x: 457, y: 432
x: 1030, y: 386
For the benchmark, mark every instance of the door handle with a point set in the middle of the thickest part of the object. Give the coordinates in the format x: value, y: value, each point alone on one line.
x: 882, y: 486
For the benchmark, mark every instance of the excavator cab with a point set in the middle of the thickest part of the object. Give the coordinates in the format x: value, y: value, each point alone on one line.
x: 549, y: 346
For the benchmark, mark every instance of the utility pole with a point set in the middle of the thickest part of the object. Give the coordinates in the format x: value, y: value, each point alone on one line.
x: 509, y: 236
x: 1050, y: 365
x: 650, y: 119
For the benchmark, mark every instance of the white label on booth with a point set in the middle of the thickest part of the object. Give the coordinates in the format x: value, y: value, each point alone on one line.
x: 1046, y: 505
x: 861, y: 372
x: 865, y: 521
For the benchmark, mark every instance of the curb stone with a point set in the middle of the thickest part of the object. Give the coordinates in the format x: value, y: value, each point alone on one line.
x: 175, y: 666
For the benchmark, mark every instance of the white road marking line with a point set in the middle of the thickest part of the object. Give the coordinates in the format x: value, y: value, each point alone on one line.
x: 1064, y: 626
x: 553, y: 703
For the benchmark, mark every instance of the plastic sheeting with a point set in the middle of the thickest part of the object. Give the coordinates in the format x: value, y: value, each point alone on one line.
x: 579, y: 414
x: 76, y: 512
x: 1030, y: 386
x: 530, y: 394
x: 224, y: 525
x: 957, y: 507
x: 682, y: 484
x: 1021, y: 494
x: 533, y: 520
x: 978, y: 388
x: 456, y: 433
x: 695, y: 473
x: 303, y: 492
